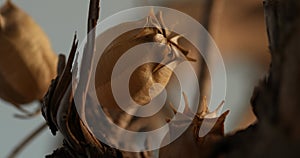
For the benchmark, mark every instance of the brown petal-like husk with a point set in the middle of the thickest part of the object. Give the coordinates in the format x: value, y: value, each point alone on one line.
x: 189, y: 143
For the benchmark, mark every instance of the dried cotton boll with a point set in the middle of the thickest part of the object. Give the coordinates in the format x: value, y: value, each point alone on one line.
x: 27, y: 62
x: 144, y: 78
x: 145, y: 75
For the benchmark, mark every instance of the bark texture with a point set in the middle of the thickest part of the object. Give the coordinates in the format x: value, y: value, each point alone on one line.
x: 275, y: 100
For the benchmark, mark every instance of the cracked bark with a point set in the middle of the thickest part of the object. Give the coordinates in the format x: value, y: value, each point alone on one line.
x: 275, y: 100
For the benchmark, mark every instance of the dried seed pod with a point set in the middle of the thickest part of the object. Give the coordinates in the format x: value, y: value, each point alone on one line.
x: 27, y: 62
x: 143, y: 78
x: 143, y: 81
x: 189, y: 143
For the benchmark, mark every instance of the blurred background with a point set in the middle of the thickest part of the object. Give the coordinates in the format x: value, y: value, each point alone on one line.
x: 237, y: 27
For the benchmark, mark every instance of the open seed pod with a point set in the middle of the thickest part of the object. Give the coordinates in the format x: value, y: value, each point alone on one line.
x: 143, y: 80
x: 190, y: 143
x: 27, y: 62
x: 171, y: 54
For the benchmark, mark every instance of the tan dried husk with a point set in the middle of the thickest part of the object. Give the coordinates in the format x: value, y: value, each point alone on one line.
x: 27, y: 62
x: 144, y: 76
